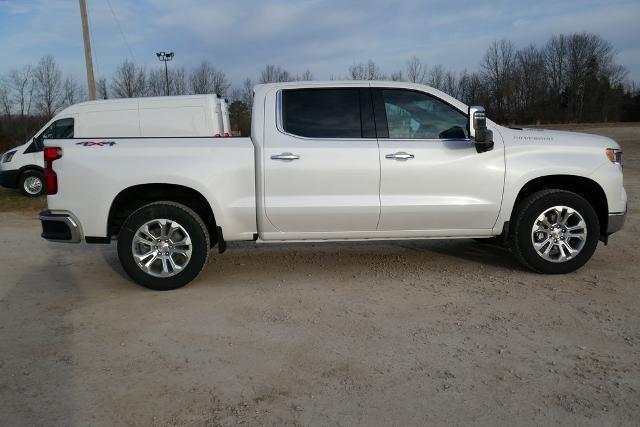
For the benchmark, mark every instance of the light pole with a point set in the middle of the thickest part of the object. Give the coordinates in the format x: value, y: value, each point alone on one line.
x: 165, y: 57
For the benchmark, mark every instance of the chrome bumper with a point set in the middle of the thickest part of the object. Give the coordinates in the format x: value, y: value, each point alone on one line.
x: 616, y: 221
x: 59, y: 227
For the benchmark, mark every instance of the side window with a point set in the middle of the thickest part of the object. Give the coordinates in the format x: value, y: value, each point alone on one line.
x: 322, y: 113
x: 60, y: 129
x: 416, y: 115
x: 64, y: 129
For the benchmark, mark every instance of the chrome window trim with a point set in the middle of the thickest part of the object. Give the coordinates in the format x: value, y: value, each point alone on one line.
x: 280, y: 127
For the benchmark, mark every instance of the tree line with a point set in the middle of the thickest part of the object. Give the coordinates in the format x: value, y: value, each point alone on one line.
x: 570, y: 78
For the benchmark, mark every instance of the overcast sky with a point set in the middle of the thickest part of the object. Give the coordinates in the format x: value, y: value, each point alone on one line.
x: 324, y: 36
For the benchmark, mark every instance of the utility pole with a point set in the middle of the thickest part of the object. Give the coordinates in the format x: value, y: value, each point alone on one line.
x: 165, y: 57
x: 87, y: 50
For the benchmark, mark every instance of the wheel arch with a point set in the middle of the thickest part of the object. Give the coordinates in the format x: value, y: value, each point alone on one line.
x: 584, y: 187
x: 27, y: 168
x: 134, y: 197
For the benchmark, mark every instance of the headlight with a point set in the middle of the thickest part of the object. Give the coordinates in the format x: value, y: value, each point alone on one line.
x: 615, y: 155
x: 6, y: 157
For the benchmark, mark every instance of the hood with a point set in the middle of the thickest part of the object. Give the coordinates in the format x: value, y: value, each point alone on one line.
x: 541, y: 137
x: 19, y: 148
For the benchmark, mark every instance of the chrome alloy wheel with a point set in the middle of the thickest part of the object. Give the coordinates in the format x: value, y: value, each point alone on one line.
x: 559, y: 234
x: 161, y: 247
x: 32, y: 185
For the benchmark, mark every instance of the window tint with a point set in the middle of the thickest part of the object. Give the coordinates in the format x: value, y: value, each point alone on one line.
x: 416, y: 115
x: 322, y: 113
x: 60, y: 129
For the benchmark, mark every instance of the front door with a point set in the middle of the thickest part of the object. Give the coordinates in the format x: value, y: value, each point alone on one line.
x: 432, y: 177
x: 321, y: 164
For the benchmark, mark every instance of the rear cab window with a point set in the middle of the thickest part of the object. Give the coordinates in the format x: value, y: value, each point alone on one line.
x: 327, y: 113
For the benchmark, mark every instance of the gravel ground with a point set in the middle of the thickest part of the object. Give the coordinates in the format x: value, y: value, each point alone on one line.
x: 392, y: 333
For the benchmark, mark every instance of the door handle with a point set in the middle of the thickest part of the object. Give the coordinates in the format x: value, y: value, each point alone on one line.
x: 401, y: 155
x: 285, y: 156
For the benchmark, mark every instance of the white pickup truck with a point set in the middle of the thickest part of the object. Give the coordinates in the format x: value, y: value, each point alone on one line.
x: 337, y: 161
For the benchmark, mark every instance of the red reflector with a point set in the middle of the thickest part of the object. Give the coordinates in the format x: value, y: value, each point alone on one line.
x: 50, y: 177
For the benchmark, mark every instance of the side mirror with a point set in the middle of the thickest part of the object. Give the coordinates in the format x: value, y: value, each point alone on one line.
x: 478, y: 131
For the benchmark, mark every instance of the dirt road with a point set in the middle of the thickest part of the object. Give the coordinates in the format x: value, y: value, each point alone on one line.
x: 396, y: 333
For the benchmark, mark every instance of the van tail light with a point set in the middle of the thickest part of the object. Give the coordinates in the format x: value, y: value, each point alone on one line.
x: 50, y: 178
x: 217, y: 135
x: 226, y: 134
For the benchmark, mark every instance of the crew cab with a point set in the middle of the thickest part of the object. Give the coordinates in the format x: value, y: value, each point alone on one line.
x: 333, y: 161
x: 193, y: 115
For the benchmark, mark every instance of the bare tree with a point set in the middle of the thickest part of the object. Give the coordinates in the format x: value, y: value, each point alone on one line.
x: 244, y: 93
x: 450, y: 84
x: 178, y: 82
x: 72, y: 92
x: 101, y: 88
x: 416, y: 70
x: 530, y: 83
x: 498, y: 68
x: 156, y: 83
x: 48, y: 86
x: 5, y: 99
x: 247, y: 93
x: 555, y: 60
x: 274, y: 74
x: 306, y: 76
x: 129, y: 81
x: 436, y: 77
x: 20, y: 83
x: 365, y: 71
x: 471, y: 88
x: 208, y: 79
x: 396, y: 76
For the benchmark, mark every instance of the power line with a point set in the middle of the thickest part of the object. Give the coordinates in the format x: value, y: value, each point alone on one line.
x: 133, y: 57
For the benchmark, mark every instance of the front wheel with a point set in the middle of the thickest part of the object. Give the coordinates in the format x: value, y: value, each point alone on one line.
x: 554, y: 231
x: 163, y: 245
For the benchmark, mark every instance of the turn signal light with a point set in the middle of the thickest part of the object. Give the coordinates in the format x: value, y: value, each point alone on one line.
x: 615, y: 155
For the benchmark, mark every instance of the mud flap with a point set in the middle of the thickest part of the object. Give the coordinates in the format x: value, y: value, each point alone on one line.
x: 222, y: 245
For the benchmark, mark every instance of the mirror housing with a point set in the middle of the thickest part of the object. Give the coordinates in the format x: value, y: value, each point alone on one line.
x: 478, y: 131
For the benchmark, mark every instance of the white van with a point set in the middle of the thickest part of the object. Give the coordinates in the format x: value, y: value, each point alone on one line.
x: 168, y: 116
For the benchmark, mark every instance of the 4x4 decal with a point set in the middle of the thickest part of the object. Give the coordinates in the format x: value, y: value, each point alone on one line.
x: 96, y: 143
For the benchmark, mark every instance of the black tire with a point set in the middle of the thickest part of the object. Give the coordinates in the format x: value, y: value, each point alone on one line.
x: 31, y: 174
x: 184, y: 216
x: 523, y: 219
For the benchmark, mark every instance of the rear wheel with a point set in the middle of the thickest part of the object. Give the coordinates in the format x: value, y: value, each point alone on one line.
x: 555, y: 231
x: 163, y: 245
x: 32, y: 183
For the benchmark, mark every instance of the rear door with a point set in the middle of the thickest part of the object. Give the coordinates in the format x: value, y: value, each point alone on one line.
x: 432, y: 177
x: 321, y: 165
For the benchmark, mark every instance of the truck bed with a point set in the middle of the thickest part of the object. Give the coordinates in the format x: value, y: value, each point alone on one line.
x: 92, y: 172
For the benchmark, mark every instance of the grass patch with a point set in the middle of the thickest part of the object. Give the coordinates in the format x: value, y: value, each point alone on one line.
x: 13, y: 200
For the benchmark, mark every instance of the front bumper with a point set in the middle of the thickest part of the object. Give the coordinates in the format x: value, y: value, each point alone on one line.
x: 60, y: 227
x: 616, y: 221
x: 9, y: 178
